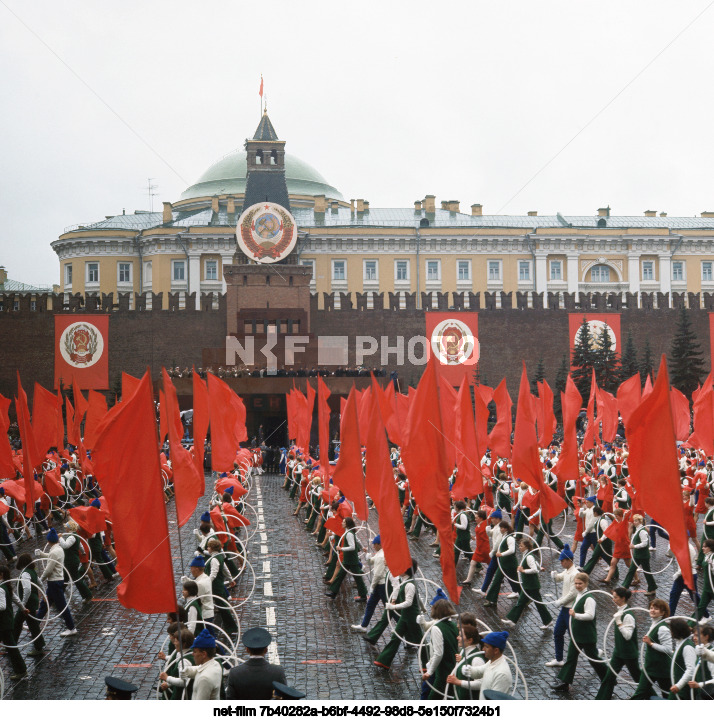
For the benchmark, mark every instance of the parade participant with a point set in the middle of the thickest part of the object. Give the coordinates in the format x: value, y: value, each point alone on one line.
x: 707, y: 573
x: 216, y: 567
x: 625, y: 652
x: 174, y: 687
x: 678, y: 582
x: 72, y: 546
x: 118, y: 690
x: 704, y: 674
x: 619, y: 533
x: 707, y: 528
x: 377, y: 590
x: 688, y: 510
x: 205, y: 588
x: 589, y: 535
x: 462, y: 543
x: 471, y: 655
x: 192, y: 606
x: 207, y: 673
x: 603, y: 548
x: 29, y: 599
x: 253, y: 679
x: 495, y: 674
x: 583, y: 635
x: 6, y: 545
x: 482, y: 551
x: 530, y: 588
x: 494, y: 535
x: 7, y: 636
x: 658, y: 653
x: 639, y: 543
x: 656, y: 530
x: 503, y: 495
x: 564, y: 603
x: 622, y: 497
x: 204, y: 532
x: 683, y: 660
x: 99, y: 554
x: 54, y: 576
x: 442, y: 647
x: 405, y: 601
x: 506, y: 566
x: 348, y: 548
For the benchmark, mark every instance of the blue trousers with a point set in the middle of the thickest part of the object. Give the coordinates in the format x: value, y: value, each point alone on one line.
x: 379, y: 594
x: 490, y: 571
x: 676, y: 592
x: 559, y: 631
x: 55, y: 595
x: 657, y: 530
x: 589, y: 540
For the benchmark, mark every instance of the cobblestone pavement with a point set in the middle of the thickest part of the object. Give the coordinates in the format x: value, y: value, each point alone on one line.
x: 314, y: 642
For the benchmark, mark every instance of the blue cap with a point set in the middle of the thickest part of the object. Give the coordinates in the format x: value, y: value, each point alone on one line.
x: 592, y: 499
x: 96, y: 503
x: 701, y: 463
x: 566, y: 554
x: 496, y: 514
x: 198, y: 562
x: 230, y: 490
x: 206, y: 517
x: 497, y: 639
x: 440, y: 596
x: 204, y: 640
x: 223, y: 475
x: 600, y: 473
x: 52, y: 536
x: 377, y: 539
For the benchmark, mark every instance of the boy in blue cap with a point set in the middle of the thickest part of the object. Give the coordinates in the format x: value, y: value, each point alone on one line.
x: 377, y: 591
x: 54, y: 576
x: 495, y: 674
x: 207, y: 674
x: 565, y: 603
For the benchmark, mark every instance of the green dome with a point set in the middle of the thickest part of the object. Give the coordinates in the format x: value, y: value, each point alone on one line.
x: 228, y: 175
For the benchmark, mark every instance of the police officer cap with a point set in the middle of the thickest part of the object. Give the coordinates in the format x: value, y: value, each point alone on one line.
x: 256, y: 638
x: 119, y: 689
x: 492, y: 695
x: 206, y: 517
x: 286, y: 692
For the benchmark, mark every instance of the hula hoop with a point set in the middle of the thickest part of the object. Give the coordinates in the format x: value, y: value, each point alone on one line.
x: 570, y: 629
x: 43, y: 621
x: 41, y: 559
x: 666, y: 566
x: 335, y: 549
x: 498, y: 558
x: 538, y: 548
x: 604, y: 645
x: 417, y: 598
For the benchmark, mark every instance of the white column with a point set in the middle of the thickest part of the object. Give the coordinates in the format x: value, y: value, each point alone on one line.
x: 633, y: 272
x: 541, y: 273
x: 573, y: 274
x: 194, y: 277
x: 665, y: 277
x: 226, y: 259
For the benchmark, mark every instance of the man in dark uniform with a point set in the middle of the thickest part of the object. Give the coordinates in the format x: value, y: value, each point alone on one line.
x: 118, y: 690
x: 253, y: 679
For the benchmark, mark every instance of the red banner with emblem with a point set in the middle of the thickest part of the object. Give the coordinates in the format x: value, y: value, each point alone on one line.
x: 596, y: 321
x: 453, y: 338
x: 711, y: 336
x: 82, y: 351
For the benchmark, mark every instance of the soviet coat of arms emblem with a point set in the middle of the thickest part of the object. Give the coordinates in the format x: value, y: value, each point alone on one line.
x: 453, y: 343
x: 81, y: 345
x: 266, y: 232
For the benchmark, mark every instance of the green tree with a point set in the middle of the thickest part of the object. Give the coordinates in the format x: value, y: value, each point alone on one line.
x: 646, y: 362
x: 583, y: 359
x: 628, y: 360
x: 606, y: 362
x: 561, y: 379
x: 539, y: 375
x: 686, y: 363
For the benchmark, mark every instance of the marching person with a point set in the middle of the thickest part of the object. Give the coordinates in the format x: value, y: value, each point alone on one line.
x: 640, y: 545
x: 204, y: 588
x: 684, y: 659
x: 174, y: 687
x: 348, y: 548
x: 28, y: 595
x: 530, y: 588
x: 54, y: 576
x: 506, y: 565
x: 471, y: 655
x: 495, y: 674
x: 704, y: 675
x: 658, y: 653
x: 482, y: 550
x: 7, y: 635
x: 462, y: 543
x: 589, y: 535
x: 217, y: 572
x: 565, y: 603
x: 377, y: 591
x: 442, y: 647
x: 678, y: 581
x: 207, y: 673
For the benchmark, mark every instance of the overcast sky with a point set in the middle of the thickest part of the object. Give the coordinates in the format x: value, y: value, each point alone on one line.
x: 390, y: 101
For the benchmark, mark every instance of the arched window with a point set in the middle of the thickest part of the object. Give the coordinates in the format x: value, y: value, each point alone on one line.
x: 600, y: 274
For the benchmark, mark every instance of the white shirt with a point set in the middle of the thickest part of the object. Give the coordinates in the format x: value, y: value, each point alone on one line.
x: 689, y: 656
x: 588, y: 520
x: 640, y: 539
x: 494, y: 675
x: 205, y: 590
x: 495, y: 537
x: 206, y: 680
x: 588, y: 613
x: 567, y: 578
x: 664, y: 635
x: 379, y: 568
x: 626, y: 624
x: 54, y: 568
x: 409, y: 593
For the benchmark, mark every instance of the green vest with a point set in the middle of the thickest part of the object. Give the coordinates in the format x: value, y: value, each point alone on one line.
x: 465, y: 694
x: 529, y: 581
x: 6, y: 616
x: 679, y: 667
x: 583, y: 631
x: 218, y: 584
x: 450, y: 634
x: 175, y: 693
x: 702, y: 674
x: 656, y: 662
x: 626, y: 648
x: 463, y: 536
x: 351, y: 558
x: 32, y: 602
x: 508, y: 563
x: 199, y: 619
x: 407, y: 625
x: 641, y: 554
x: 709, y: 530
x: 707, y: 571
x: 71, y: 554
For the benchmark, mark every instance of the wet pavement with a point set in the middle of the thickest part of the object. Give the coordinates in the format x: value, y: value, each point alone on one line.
x: 313, y: 640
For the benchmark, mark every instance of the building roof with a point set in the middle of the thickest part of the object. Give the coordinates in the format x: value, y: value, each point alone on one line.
x: 265, y: 129
x: 15, y: 286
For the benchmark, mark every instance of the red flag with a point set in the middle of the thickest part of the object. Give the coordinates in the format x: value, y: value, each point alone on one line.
x: 323, y: 428
x: 292, y: 403
x: 31, y: 456
x: 526, y: 459
x: 629, y: 395
x: 500, y: 438
x: 92, y: 520
x: 469, y: 482
x: 648, y: 386
x: 141, y: 533
x: 44, y: 419
x: 307, y: 404
x: 85, y: 461
x: 703, y: 436
x: 383, y: 491
x: 96, y: 410
x: 163, y: 423
x: 549, y: 424
x: 334, y: 525
x: 60, y: 421
x: 589, y: 440
x: 72, y: 436
x: 348, y: 475
x: 7, y: 467
x: 364, y: 409
x: 200, y: 423
x: 482, y: 397
x: 129, y: 384
x: 654, y: 467
x: 188, y: 481
x: 52, y: 484
x: 680, y: 414
x: 388, y: 409
x: 260, y: 92
x: 80, y: 408
x: 447, y: 401
x: 227, y: 423
x: 428, y: 470
x: 607, y: 412
x: 571, y: 402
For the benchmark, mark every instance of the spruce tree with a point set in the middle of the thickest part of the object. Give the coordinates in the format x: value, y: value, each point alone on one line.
x: 583, y: 359
x: 561, y: 379
x: 606, y: 362
x: 686, y: 363
x: 539, y: 375
x: 645, y: 365
x: 628, y: 360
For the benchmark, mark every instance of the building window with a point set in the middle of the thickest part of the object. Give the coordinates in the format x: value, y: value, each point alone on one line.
x: 707, y: 271
x: 600, y: 274
x: 147, y: 272
x: 556, y: 270
x: 647, y: 270
x: 338, y: 270
x: 211, y: 270
x: 524, y: 270
x: 16, y: 305
x: 401, y: 270
x: 494, y: 270
x: 370, y: 270
x: 433, y: 270
x: 92, y: 272
x: 464, y: 269
x: 68, y: 275
x: 179, y: 270
x: 125, y: 272
x: 678, y: 270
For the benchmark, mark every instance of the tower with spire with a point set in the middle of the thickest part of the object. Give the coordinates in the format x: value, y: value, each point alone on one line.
x: 266, y: 167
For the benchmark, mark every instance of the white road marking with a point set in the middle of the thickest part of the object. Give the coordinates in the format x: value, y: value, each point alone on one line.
x: 264, y: 550
x: 267, y: 588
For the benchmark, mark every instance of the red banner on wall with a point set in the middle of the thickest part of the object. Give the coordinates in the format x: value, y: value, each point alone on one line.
x: 453, y: 338
x: 711, y: 338
x: 82, y: 351
x: 596, y: 321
